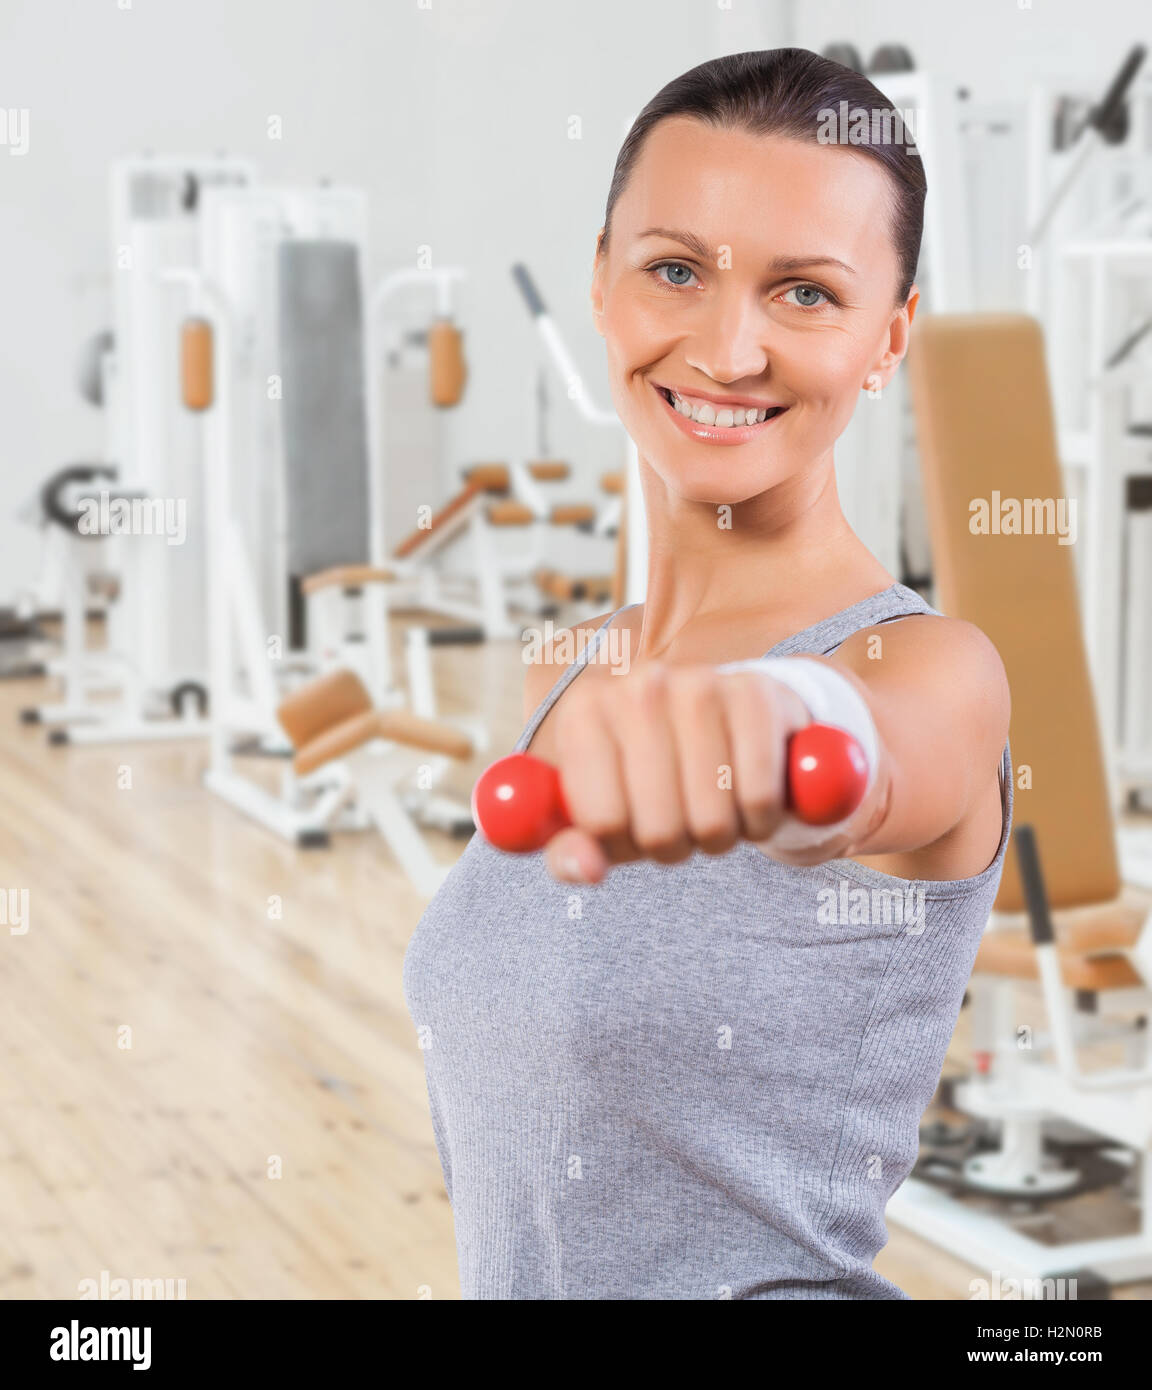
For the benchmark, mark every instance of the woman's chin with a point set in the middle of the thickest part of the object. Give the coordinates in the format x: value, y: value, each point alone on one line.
x: 719, y: 487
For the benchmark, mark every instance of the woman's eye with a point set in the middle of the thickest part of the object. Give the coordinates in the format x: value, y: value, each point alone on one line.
x: 678, y: 273
x: 813, y: 298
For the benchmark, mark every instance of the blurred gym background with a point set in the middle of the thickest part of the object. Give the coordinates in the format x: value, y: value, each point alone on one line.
x: 301, y: 385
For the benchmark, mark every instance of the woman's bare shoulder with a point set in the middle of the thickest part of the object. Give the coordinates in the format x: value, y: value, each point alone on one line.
x: 547, y: 658
x: 937, y: 663
x: 930, y: 647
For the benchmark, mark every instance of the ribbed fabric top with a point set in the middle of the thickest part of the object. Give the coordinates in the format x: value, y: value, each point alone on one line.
x: 696, y: 1080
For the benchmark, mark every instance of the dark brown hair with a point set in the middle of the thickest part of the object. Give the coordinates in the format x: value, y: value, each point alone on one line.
x: 788, y: 92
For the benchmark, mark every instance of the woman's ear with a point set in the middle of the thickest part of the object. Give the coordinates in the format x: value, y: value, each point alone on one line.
x: 596, y: 294
x: 898, y: 335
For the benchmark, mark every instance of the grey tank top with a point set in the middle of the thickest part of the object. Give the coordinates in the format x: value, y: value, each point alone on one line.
x: 690, y: 1081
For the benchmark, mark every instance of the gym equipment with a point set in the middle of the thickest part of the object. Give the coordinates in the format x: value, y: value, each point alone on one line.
x: 478, y: 593
x: 296, y: 578
x: 632, y: 542
x: 75, y: 573
x: 876, y: 469
x: 344, y: 605
x: 891, y: 57
x: 1084, y: 221
x: 1044, y: 1115
x: 528, y: 506
x: 494, y: 497
x: 469, y: 518
x: 106, y: 697
x: 1105, y: 124
x: 1091, y: 285
x: 496, y: 584
x: 846, y: 54
x: 93, y: 365
x: 594, y: 590
x: 154, y: 661
x: 334, y: 727
x: 518, y: 803
x: 274, y: 298
x: 24, y: 646
x: 598, y: 521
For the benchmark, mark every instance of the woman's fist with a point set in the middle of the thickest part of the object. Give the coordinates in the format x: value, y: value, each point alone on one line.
x: 668, y: 761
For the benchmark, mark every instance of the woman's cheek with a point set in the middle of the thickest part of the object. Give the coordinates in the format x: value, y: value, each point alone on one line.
x: 624, y: 383
x: 835, y: 379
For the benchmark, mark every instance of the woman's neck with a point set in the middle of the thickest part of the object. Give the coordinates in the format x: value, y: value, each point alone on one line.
x: 787, y: 556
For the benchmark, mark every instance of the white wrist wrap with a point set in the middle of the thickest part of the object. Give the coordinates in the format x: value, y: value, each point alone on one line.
x: 830, y: 698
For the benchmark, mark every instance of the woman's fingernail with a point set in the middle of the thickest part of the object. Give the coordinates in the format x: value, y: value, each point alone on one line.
x: 570, y: 868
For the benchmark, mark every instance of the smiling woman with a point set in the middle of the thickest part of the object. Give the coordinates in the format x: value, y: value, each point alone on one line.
x: 701, y: 1075
x: 739, y: 247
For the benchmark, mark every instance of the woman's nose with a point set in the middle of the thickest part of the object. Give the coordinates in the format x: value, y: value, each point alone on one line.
x: 731, y: 343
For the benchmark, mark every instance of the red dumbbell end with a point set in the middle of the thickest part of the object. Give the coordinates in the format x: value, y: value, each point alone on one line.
x: 518, y: 804
x: 827, y: 774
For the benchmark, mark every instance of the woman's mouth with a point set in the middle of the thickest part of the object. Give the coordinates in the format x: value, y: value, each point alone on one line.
x: 717, y: 423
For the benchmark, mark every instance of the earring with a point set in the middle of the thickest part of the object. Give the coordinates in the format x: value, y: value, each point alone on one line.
x: 873, y: 387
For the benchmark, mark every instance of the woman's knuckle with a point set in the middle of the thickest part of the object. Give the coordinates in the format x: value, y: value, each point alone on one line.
x: 761, y: 805
x: 699, y: 687
x: 657, y: 839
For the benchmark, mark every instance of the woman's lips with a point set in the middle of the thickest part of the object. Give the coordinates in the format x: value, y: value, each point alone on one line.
x: 715, y: 434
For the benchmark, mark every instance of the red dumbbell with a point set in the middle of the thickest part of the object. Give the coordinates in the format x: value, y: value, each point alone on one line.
x: 518, y: 803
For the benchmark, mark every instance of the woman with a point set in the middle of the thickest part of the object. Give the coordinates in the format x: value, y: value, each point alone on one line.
x: 683, y: 1052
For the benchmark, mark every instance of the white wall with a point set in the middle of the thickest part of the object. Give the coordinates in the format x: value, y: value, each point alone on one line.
x: 993, y: 47
x: 184, y: 78
x: 456, y: 118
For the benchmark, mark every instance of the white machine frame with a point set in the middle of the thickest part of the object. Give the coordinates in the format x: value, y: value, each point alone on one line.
x: 155, y: 638
x: 246, y: 687
x: 1026, y: 1086
x: 482, y: 594
x: 1093, y: 266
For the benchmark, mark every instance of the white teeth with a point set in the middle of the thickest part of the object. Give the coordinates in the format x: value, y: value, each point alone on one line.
x: 723, y: 416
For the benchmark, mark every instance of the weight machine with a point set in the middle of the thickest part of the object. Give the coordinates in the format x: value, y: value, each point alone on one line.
x: 294, y: 497
x: 150, y: 679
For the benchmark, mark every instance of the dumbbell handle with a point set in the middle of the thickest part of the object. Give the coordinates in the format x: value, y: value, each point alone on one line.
x: 518, y: 803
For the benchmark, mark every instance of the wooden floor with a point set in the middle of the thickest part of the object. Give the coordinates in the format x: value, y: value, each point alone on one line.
x: 167, y: 1044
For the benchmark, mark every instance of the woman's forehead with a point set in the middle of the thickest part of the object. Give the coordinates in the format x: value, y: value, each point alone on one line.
x: 736, y: 188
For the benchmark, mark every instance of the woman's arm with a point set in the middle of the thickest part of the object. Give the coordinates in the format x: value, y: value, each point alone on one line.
x: 938, y: 696
x: 684, y: 758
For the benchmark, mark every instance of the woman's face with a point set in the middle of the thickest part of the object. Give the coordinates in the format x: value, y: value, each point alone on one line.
x: 753, y: 269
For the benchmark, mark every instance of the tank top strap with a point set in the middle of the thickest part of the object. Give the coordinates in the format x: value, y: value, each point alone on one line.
x: 822, y: 638
x: 586, y: 654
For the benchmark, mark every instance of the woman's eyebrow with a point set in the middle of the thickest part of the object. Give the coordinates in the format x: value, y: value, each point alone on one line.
x: 779, y: 265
